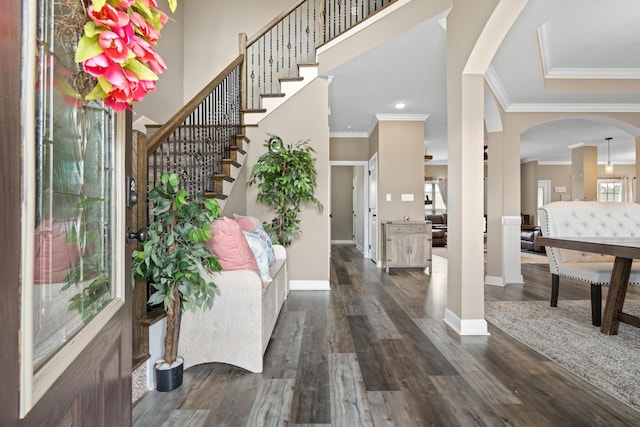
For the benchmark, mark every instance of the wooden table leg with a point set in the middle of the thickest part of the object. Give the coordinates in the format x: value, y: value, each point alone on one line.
x: 616, y: 295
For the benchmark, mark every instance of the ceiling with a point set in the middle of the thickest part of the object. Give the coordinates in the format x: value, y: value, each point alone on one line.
x: 571, y: 41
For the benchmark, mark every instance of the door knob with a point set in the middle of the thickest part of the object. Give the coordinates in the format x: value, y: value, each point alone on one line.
x: 140, y: 235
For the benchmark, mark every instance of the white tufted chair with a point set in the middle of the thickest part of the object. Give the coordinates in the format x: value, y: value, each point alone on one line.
x: 587, y: 219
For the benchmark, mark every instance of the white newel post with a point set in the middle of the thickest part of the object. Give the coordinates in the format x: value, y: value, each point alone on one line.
x: 511, y: 249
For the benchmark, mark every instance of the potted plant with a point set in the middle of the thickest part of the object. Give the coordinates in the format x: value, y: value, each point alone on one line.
x: 286, y: 180
x: 172, y: 259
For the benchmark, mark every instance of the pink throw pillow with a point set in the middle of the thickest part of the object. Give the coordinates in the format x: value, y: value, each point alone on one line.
x: 55, y: 251
x: 230, y: 247
x: 248, y: 223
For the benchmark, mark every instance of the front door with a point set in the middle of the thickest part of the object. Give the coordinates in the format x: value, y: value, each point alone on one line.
x: 65, y: 298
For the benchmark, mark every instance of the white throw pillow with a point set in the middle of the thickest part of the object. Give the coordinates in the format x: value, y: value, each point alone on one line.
x: 260, y: 248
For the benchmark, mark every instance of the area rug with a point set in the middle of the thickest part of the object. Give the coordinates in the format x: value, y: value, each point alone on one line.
x: 525, y: 257
x: 565, y: 335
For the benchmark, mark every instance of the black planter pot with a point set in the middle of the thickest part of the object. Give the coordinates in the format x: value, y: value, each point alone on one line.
x: 169, y: 379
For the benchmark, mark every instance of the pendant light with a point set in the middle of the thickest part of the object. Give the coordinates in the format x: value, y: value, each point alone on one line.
x: 608, y: 169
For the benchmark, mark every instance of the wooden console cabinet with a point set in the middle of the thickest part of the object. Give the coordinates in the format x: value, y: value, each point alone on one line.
x: 407, y: 244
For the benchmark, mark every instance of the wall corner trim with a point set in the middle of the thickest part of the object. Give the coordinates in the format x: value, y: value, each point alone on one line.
x: 309, y: 285
x: 494, y: 281
x: 465, y: 326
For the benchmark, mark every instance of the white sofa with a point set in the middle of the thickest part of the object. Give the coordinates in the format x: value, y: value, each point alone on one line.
x: 238, y: 327
x: 586, y: 219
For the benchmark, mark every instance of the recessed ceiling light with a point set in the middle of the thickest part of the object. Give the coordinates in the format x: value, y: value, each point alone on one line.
x: 400, y: 105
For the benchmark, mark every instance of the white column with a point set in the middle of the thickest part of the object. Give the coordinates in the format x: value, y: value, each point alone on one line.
x: 495, y: 210
x: 474, y: 32
x: 511, y: 268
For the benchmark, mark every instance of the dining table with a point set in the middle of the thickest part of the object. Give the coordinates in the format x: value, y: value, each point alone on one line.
x: 625, y: 250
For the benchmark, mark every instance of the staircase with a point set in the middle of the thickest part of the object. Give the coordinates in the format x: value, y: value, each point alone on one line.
x: 205, y: 141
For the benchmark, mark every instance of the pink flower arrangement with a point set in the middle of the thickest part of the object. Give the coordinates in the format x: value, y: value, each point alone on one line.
x: 117, y: 49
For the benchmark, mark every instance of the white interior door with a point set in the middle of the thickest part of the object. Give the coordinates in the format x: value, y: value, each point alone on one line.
x: 544, y: 195
x: 373, y: 208
x: 354, y: 208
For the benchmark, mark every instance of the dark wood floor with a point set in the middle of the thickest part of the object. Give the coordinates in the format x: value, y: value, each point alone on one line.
x: 374, y: 351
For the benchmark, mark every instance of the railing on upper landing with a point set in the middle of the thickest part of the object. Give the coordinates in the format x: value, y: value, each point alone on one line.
x: 292, y: 38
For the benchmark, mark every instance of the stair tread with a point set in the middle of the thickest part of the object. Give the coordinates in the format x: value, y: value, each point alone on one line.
x: 238, y: 149
x: 224, y: 177
x: 233, y: 162
x: 214, y: 195
x: 254, y: 110
x: 308, y: 64
x: 153, y: 316
x: 139, y: 360
x: 291, y: 79
x: 272, y: 95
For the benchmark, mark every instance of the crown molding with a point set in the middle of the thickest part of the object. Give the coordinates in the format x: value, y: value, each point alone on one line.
x: 555, y: 163
x: 543, y: 47
x: 496, y: 86
x: 573, y: 108
x: 349, y: 135
x: 594, y: 73
x: 551, y: 72
x: 402, y: 117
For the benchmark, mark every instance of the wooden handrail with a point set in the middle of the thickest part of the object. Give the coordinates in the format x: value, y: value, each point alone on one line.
x: 172, y: 124
x: 274, y: 22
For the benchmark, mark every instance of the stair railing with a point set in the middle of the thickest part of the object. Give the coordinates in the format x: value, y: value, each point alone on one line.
x: 194, y: 142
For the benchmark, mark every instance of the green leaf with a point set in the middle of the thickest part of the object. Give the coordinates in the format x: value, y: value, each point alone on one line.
x: 105, y: 85
x: 98, y: 4
x: 91, y: 29
x: 88, y: 47
x: 96, y: 93
x: 141, y: 70
x: 174, y: 180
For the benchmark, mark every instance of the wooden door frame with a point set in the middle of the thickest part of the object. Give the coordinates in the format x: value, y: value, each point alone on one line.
x: 365, y: 165
x: 11, y: 182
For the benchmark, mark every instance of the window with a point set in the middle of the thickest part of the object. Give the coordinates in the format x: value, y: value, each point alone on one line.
x: 433, y: 201
x: 609, y: 190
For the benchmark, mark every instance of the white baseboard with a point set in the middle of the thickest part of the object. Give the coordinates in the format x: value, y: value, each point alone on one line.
x: 465, y: 326
x: 342, y: 242
x: 494, y: 281
x: 309, y: 285
x: 515, y: 279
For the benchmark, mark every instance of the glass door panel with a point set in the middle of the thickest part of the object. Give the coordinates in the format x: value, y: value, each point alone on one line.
x: 74, y: 164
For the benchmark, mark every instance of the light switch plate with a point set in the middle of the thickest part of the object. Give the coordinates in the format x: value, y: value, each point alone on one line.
x: 407, y: 198
x: 388, y: 197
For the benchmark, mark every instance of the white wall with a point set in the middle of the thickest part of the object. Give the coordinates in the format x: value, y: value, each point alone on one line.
x: 303, y: 116
x: 161, y: 104
x: 211, y: 38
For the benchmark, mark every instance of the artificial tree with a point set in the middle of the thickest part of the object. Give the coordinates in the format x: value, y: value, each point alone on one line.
x: 286, y: 180
x: 174, y: 255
